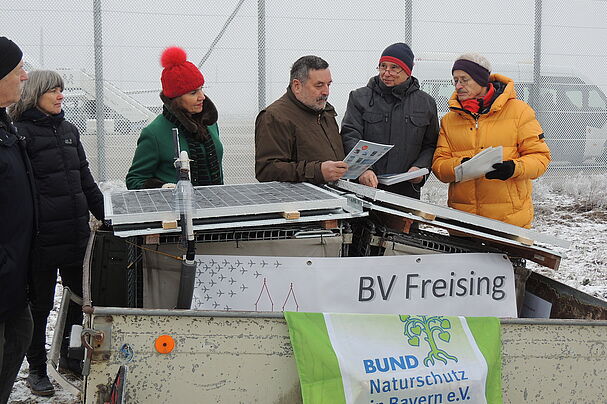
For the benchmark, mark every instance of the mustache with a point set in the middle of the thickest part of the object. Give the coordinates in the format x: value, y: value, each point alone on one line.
x: 322, y: 98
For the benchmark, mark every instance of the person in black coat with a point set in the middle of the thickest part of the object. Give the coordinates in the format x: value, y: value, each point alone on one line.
x: 66, y: 192
x: 17, y: 216
x: 392, y: 109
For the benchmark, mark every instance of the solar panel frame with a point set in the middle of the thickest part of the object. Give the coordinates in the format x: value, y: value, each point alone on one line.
x: 152, y: 205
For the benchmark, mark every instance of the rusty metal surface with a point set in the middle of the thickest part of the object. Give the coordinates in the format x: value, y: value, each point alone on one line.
x: 248, y: 359
x: 560, y: 363
x: 227, y: 360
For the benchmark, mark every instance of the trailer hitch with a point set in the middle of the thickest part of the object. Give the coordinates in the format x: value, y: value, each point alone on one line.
x: 88, y: 338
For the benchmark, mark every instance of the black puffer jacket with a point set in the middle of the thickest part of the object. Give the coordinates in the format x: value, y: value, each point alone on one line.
x: 65, y: 188
x: 17, y: 218
x: 403, y: 116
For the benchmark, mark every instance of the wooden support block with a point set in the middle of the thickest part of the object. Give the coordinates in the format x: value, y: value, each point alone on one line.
x: 523, y: 240
x: 396, y: 223
x: 152, y: 239
x: 420, y: 213
x: 330, y: 224
x: 169, y: 224
x: 425, y: 215
x: 291, y: 215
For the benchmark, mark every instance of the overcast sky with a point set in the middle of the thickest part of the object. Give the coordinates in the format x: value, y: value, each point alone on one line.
x: 350, y: 35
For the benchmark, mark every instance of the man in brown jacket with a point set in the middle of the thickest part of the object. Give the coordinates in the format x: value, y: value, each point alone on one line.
x: 296, y: 137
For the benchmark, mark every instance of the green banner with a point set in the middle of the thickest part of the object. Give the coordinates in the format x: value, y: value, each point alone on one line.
x: 392, y: 359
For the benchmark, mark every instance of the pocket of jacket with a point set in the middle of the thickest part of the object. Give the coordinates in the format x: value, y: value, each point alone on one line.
x: 372, y: 117
x: 517, y: 196
x: 419, y: 120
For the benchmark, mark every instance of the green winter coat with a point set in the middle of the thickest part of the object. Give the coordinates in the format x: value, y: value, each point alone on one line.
x: 154, y: 157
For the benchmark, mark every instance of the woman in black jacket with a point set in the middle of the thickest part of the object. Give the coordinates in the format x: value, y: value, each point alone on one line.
x: 66, y: 193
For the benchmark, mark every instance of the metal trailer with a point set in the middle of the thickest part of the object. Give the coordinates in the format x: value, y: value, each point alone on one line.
x: 238, y: 357
x: 223, y: 357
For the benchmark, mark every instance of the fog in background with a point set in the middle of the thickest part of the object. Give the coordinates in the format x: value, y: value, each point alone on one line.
x: 350, y: 35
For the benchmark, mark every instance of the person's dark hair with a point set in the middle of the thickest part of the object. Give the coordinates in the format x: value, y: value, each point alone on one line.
x: 303, y: 65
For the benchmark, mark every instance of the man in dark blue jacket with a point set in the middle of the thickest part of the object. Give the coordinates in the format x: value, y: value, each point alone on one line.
x: 391, y: 109
x: 18, y: 221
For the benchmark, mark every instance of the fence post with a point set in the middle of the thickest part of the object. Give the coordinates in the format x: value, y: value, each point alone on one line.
x: 99, y: 102
x: 261, y: 54
x: 409, y: 22
x: 534, y: 97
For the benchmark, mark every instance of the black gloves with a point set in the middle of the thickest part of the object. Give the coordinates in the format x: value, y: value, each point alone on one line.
x: 502, y: 171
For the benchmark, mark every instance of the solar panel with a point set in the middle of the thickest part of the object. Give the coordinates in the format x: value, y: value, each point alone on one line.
x: 140, y: 206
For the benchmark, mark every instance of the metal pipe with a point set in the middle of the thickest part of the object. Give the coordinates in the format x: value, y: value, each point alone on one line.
x: 59, y: 327
x: 99, y: 103
x: 534, y: 97
x: 86, y: 273
x: 221, y: 32
x: 409, y: 22
x: 261, y: 54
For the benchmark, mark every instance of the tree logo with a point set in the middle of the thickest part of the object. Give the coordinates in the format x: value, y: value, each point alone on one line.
x: 429, y: 326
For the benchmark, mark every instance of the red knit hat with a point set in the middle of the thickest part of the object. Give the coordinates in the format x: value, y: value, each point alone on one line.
x: 179, y: 76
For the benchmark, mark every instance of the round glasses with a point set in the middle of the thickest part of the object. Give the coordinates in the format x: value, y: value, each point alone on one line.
x: 392, y: 71
x: 463, y: 81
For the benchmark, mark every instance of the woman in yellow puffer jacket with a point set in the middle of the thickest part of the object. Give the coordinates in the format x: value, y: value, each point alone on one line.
x: 484, y: 113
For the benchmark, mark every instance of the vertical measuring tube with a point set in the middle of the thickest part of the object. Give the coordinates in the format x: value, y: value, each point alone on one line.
x: 184, y: 195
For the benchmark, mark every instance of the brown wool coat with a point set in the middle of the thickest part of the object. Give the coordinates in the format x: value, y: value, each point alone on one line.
x: 292, y: 140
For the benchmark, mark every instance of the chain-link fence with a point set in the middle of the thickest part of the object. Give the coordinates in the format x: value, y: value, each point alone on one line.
x: 108, y: 50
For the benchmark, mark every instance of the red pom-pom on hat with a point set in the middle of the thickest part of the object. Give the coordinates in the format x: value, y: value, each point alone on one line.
x: 179, y: 76
x: 173, y: 56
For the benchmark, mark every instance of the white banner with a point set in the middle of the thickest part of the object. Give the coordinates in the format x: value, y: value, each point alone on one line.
x: 447, y: 284
x: 377, y: 364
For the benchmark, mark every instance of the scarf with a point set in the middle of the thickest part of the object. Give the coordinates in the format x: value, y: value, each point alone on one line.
x: 204, y: 167
x: 475, y: 105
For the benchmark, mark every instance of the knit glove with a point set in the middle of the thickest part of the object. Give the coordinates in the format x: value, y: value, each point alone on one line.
x: 502, y: 171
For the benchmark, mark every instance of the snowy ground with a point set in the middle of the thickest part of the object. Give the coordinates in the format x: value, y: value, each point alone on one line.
x: 573, y: 209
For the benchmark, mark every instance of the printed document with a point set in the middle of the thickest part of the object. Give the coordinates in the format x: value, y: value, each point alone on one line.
x: 363, y: 156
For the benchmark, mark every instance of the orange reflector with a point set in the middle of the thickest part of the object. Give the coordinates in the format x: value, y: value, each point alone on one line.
x: 164, y: 344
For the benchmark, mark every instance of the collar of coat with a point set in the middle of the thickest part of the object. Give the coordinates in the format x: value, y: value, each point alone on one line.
x: 328, y: 107
x: 195, y: 124
x: 399, y: 91
x: 5, y: 122
x: 504, y: 89
x: 41, y: 119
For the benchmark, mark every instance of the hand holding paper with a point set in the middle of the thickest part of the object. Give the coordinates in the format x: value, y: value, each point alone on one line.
x: 502, y: 171
x: 479, y: 165
x: 333, y: 170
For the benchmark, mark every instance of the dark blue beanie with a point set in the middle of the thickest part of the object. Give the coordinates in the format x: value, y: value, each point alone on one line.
x: 399, y: 53
x: 479, y: 73
x: 10, y: 56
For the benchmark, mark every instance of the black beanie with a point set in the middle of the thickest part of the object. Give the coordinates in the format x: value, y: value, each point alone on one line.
x: 399, y: 53
x: 479, y: 73
x: 10, y: 56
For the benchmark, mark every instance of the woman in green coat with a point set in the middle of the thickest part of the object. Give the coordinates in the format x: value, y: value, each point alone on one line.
x: 188, y: 109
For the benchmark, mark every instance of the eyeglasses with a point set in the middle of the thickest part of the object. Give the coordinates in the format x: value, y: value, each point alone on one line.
x: 463, y: 81
x: 392, y: 71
